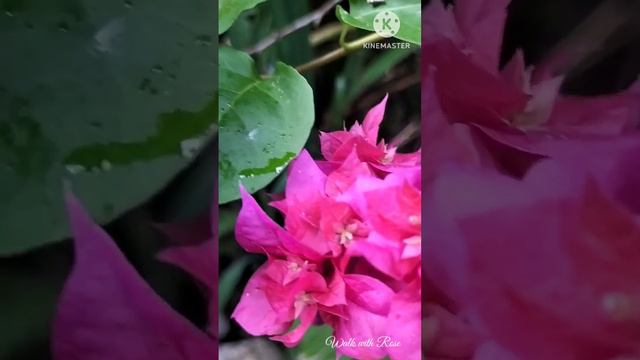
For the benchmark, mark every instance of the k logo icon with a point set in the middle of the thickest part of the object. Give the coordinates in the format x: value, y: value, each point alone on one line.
x: 386, y: 23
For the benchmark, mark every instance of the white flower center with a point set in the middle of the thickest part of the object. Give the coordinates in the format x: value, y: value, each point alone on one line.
x: 414, y: 240
x: 346, y: 234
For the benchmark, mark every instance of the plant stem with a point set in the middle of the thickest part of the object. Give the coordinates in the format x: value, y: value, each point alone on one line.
x: 325, y: 33
x: 343, y: 35
x: 339, y: 53
x: 596, y: 37
x: 312, y: 17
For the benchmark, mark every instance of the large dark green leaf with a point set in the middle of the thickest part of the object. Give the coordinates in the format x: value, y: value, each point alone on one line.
x: 228, y: 11
x: 115, y: 96
x: 264, y: 122
x: 361, y: 15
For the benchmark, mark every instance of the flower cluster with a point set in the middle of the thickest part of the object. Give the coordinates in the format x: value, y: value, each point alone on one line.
x: 348, y: 254
x: 533, y: 238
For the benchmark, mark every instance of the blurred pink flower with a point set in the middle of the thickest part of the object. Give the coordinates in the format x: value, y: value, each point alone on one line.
x: 548, y: 267
x: 461, y: 49
x: 107, y: 311
x: 528, y: 258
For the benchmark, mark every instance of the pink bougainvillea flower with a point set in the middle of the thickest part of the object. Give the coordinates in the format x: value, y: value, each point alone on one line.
x: 341, y: 179
x: 392, y: 208
x: 550, y: 265
x: 106, y: 310
x: 461, y: 49
x: 368, y: 302
x: 313, y: 217
x: 336, y: 146
x: 281, y: 292
x: 257, y: 233
x: 349, y: 251
x: 404, y: 321
x: 272, y: 301
x: 447, y: 143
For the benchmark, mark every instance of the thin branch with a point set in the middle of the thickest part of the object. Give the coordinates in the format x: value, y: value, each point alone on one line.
x: 592, y: 40
x: 339, y: 53
x: 325, y: 33
x: 313, y: 17
x: 407, y: 134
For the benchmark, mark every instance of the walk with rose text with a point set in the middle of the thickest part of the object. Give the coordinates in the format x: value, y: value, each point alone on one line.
x: 380, y: 341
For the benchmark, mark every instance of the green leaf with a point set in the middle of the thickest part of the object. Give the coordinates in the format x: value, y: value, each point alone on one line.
x: 115, y: 97
x: 361, y: 15
x: 264, y: 122
x: 228, y: 11
x: 357, y: 77
x: 229, y: 281
x: 313, y: 345
x: 226, y: 222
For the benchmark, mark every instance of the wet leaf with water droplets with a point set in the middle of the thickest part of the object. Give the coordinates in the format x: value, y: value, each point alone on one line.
x: 86, y: 95
x: 255, y: 114
x: 363, y: 14
x: 228, y: 11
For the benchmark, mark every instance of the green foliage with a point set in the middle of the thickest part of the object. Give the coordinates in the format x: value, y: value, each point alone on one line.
x: 264, y: 122
x: 229, y: 10
x: 116, y: 97
x: 230, y: 281
x: 361, y: 15
x: 358, y: 75
x: 313, y: 345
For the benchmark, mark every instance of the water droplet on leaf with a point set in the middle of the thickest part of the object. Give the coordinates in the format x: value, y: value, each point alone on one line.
x: 63, y: 26
x: 157, y: 69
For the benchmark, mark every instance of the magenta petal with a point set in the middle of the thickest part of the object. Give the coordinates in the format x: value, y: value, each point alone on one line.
x: 305, y: 177
x: 405, y: 325
x: 369, y: 293
x: 255, y: 313
x: 515, y: 71
x: 293, y: 337
x: 482, y: 23
x: 438, y: 23
x: 349, y: 171
x: 106, y: 311
x: 335, y: 294
x: 373, y: 119
x: 255, y: 231
x: 361, y: 325
x: 330, y: 143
